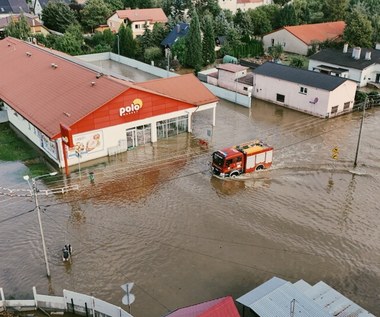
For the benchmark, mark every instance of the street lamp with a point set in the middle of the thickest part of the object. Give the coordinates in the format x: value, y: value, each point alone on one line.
x: 118, y: 46
x: 34, y: 190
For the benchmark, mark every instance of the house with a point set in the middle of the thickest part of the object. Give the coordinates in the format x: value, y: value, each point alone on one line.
x: 178, y: 31
x: 137, y: 19
x: 35, y: 24
x: 13, y: 6
x: 300, y: 38
x: 278, y: 297
x: 102, y: 115
x: 220, y: 307
x: 229, y: 76
x: 357, y: 64
x: 314, y: 93
x: 243, y: 5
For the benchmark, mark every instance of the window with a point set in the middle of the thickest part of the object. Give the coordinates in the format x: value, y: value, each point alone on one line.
x: 303, y: 90
x: 137, y: 26
x: 334, y: 109
x: 346, y: 106
x: 280, y: 98
x: 245, y: 88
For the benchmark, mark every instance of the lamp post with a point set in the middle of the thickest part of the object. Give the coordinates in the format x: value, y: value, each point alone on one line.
x: 118, y: 46
x: 34, y: 190
x: 167, y: 54
x: 360, y: 132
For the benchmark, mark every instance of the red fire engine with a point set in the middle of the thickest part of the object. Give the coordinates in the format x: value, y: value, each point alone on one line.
x: 243, y: 158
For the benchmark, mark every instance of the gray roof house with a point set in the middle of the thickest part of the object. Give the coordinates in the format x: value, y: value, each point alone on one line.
x: 13, y: 6
x: 280, y: 298
x: 359, y: 64
x: 314, y: 93
x: 178, y: 31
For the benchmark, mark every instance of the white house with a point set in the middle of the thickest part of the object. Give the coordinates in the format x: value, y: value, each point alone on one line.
x: 300, y: 38
x: 318, y: 94
x: 138, y: 19
x: 359, y: 65
x: 243, y: 5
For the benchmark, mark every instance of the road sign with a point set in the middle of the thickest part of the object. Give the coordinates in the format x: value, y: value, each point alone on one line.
x: 129, y: 298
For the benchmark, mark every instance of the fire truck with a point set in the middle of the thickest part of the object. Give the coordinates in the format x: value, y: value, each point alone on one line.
x: 244, y: 158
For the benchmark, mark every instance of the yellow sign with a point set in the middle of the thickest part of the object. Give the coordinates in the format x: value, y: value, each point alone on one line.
x: 335, y: 150
x: 335, y: 156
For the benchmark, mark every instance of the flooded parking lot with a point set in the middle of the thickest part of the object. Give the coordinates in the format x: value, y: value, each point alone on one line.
x: 156, y: 217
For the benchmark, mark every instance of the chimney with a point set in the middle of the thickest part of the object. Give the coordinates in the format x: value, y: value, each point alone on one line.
x: 368, y: 55
x: 356, y: 52
x: 345, y: 48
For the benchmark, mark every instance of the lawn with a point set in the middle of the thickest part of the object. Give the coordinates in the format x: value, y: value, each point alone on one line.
x: 13, y: 148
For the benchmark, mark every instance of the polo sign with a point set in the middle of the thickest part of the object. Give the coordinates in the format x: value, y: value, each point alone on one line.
x: 135, y: 106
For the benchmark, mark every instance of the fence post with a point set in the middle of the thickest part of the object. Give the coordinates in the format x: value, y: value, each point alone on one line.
x: 2, y: 298
x: 35, y: 297
x: 72, y: 305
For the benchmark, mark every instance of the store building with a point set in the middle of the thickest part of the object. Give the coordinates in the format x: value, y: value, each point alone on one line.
x: 51, y: 97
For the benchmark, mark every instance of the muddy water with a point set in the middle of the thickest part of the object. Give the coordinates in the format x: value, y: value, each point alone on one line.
x: 154, y: 216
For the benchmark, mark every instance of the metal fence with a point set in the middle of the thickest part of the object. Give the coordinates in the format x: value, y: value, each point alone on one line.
x: 77, y: 303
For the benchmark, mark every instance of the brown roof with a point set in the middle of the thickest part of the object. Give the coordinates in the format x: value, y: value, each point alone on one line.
x: 181, y: 88
x: 48, y: 87
x: 153, y: 15
x: 318, y: 32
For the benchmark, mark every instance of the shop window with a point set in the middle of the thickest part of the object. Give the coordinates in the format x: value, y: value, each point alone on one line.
x: 280, y: 98
x: 334, y: 109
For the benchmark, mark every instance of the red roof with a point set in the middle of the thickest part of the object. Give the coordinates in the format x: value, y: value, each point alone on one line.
x: 221, y: 307
x: 318, y: 32
x: 153, y: 15
x: 181, y: 88
x: 48, y: 87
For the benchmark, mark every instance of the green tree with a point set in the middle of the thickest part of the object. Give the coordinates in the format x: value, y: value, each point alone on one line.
x: 260, y: 22
x: 208, y: 43
x: 358, y: 31
x: 297, y: 61
x: 153, y: 54
x: 159, y: 32
x: 114, y: 5
x: 193, y: 55
x: 179, y: 49
x: 94, y: 13
x: 243, y: 21
x: 18, y: 29
x: 335, y: 10
x: 221, y: 23
x: 127, y: 44
x: 276, y: 51
x: 71, y: 42
x: 58, y: 16
x: 233, y: 40
x: 287, y: 15
x: 271, y: 11
x: 203, y: 6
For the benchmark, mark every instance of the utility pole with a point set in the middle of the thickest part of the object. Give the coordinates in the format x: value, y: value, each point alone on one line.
x: 34, y: 192
x: 360, y: 132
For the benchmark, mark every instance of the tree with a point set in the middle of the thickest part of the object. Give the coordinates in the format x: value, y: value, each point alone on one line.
x: 114, y: 5
x: 358, y: 31
x: 260, y: 22
x: 233, y: 40
x: 71, y: 42
x: 152, y: 54
x: 179, y: 50
x: 297, y: 61
x: 94, y: 13
x: 243, y: 21
x: 58, y: 16
x: 335, y: 10
x: 203, y: 6
x: 221, y: 23
x: 276, y: 51
x: 287, y: 16
x: 127, y: 44
x: 18, y: 29
x: 193, y: 57
x: 159, y: 32
x: 208, y: 43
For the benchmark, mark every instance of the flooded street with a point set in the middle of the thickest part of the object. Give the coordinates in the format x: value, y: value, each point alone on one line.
x: 156, y: 217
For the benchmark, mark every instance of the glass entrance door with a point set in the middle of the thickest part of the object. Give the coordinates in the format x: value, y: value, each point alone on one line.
x: 131, y: 138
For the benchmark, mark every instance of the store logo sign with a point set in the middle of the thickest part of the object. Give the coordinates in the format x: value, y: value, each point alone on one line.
x: 135, y: 106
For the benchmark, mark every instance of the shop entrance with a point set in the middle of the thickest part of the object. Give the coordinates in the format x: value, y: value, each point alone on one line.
x: 171, y: 127
x: 138, y: 135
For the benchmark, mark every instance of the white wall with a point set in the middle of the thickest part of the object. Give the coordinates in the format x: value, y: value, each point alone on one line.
x: 33, y: 134
x: 267, y: 88
x: 289, y: 42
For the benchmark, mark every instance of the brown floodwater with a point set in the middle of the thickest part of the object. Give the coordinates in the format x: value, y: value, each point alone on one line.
x: 156, y: 217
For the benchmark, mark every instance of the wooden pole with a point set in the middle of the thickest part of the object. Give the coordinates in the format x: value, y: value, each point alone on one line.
x: 360, y: 132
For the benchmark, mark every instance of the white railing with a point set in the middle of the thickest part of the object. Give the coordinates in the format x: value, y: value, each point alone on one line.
x: 77, y: 303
